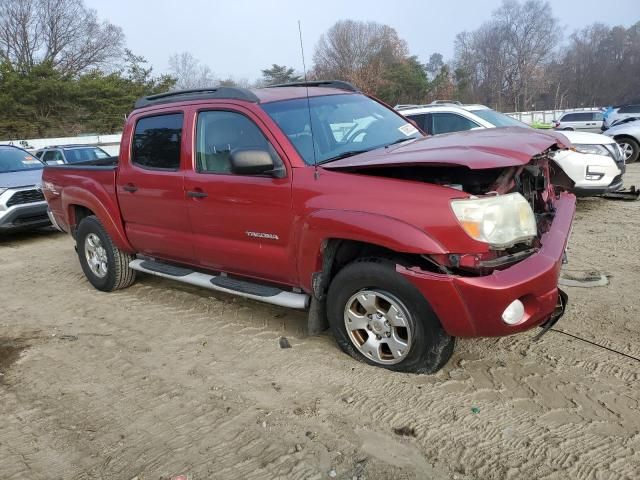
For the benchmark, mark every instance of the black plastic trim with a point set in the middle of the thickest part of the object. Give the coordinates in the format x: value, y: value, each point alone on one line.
x: 339, y: 84
x: 165, y: 268
x: 245, y: 287
x: 234, y: 93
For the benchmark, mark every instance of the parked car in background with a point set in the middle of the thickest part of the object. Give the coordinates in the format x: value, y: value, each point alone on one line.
x: 619, y: 113
x: 580, y: 121
x: 595, y: 164
x: 627, y: 134
x: 58, y: 155
x: 406, y: 242
x: 22, y: 204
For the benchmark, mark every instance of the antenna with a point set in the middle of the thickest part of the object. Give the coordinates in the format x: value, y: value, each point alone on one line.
x: 306, y: 86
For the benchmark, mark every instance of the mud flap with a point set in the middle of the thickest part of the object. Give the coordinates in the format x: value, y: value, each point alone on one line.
x: 317, y: 321
x: 557, y: 314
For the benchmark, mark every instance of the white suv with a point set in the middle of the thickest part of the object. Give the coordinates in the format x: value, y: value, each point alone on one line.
x: 595, y: 164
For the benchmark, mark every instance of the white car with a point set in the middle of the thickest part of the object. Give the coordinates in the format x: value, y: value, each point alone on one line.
x: 595, y: 164
x: 580, y: 121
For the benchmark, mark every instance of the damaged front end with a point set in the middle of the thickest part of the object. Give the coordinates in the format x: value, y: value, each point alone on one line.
x: 537, y: 182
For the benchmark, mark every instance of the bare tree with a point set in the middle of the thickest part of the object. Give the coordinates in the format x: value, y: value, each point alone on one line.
x: 189, y: 72
x: 64, y: 33
x: 506, y: 56
x: 358, y: 52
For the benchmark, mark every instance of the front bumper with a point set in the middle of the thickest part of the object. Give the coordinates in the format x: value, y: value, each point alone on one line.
x: 24, y: 217
x: 472, y: 306
x: 589, y: 191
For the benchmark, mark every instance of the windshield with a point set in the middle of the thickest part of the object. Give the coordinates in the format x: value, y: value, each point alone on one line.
x: 343, y: 125
x: 498, y: 119
x: 16, y: 160
x: 74, y: 155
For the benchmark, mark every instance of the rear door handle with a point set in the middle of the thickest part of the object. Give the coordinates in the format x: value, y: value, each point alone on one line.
x: 196, y: 194
x: 130, y: 187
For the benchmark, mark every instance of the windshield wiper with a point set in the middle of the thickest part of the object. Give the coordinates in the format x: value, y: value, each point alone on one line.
x: 350, y: 153
x: 400, y: 140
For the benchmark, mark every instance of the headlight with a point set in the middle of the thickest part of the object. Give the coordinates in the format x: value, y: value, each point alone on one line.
x: 500, y: 221
x: 592, y: 149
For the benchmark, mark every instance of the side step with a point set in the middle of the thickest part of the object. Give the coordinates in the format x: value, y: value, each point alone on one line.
x: 222, y: 283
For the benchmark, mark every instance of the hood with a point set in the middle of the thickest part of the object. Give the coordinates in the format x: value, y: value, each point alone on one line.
x: 630, y: 128
x: 586, y: 138
x: 25, y: 178
x: 475, y: 149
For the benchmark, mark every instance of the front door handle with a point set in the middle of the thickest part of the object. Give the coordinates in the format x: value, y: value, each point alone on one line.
x: 130, y: 187
x: 196, y: 194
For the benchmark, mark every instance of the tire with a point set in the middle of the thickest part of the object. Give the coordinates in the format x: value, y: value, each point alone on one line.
x: 568, y: 129
x: 633, y: 145
x: 429, y: 347
x: 93, y: 242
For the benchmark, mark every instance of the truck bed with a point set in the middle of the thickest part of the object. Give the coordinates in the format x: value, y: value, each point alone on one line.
x: 108, y: 163
x: 90, y: 184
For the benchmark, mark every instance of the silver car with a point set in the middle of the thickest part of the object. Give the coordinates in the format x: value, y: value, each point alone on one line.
x: 580, y: 121
x: 22, y: 204
x: 58, y: 155
x: 613, y: 117
x: 627, y: 134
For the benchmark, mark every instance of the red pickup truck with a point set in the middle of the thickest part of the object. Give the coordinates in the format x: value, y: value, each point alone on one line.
x: 316, y: 196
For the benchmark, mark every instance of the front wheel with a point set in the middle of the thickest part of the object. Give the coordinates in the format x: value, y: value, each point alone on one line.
x: 379, y: 317
x: 104, y: 265
x: 630, y: 149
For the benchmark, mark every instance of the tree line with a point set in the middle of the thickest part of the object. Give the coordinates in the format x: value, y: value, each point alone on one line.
x: 65, y: 72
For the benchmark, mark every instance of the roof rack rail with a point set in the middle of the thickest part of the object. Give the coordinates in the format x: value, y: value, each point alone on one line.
x: 446, y: 102
x: 406, y: 106
x: 234, y: 93
x: 339, y: 84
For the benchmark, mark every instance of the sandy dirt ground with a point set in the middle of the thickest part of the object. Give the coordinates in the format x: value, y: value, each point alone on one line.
x: 162, y: 379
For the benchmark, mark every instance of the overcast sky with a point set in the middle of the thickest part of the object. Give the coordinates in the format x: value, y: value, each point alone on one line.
x: 240, y: 37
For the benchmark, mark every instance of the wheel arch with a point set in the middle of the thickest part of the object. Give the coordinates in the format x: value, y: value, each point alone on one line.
x: 80, y: 203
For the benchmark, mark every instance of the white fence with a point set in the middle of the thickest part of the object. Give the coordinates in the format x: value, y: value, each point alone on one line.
x: 109, y: 143
x: 545, y: 116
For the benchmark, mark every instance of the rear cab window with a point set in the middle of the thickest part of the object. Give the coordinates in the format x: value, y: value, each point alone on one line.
x: 156, y: 142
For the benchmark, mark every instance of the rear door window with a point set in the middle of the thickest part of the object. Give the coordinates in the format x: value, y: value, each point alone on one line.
x: 53, y: 156
x: 578, y: 117
x: 156, y: 142
x: 598, y: 117
x: 423, y: 120
x: 630, y: 109
x: 451, y: 122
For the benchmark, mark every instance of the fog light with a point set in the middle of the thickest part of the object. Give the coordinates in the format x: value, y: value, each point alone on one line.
x: 514, y: 313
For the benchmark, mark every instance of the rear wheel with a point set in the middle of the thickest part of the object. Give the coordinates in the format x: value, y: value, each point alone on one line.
x: 104, y: 265
x: 379, y: 317
x: 630, y: 149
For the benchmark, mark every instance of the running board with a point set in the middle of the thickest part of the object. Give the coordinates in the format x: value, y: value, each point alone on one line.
x: 222, y: 283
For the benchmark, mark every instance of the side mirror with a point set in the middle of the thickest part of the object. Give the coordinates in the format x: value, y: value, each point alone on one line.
x: 251, y: 162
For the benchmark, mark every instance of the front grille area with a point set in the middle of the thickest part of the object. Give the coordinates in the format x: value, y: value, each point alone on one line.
x: 31, y: 219
x: 25, y: 196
